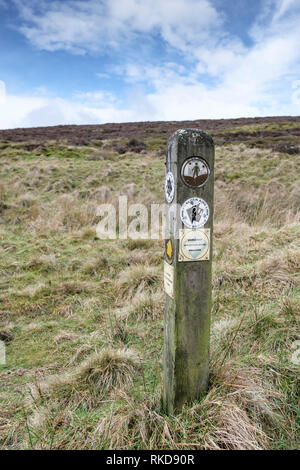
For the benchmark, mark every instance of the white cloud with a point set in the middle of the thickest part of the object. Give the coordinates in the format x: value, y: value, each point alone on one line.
x: 44, y: 110
x: 81, y: 26
x: 2, y: 92
x: 283, y: 7
x: 15, y: 109
x: 248, y: 81
x: 193, y: 27
x: 173, y: 101
x: 99, y: 98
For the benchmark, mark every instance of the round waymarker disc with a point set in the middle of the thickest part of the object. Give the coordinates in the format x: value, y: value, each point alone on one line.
x: 195, y: 172
x: 169, y: 187
x: 194, y: 212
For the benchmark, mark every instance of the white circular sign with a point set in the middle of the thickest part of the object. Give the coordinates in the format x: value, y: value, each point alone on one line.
x: 194, y: 212
x: 194, y: 245
x: 169, y: 187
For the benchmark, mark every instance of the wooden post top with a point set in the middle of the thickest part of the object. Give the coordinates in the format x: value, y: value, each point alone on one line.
x: 190, y: 166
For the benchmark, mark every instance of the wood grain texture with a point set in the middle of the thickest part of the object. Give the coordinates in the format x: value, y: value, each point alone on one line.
x: 187, y: 316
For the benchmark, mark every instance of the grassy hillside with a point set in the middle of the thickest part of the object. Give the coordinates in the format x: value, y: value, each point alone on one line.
x: 83, y: 318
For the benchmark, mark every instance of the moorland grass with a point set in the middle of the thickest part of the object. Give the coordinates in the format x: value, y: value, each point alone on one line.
x: 82, y: 318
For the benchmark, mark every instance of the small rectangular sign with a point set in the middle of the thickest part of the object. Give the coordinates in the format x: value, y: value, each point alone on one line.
x: 169, y: 279
x: 2, y: 353
x: 194, y: 244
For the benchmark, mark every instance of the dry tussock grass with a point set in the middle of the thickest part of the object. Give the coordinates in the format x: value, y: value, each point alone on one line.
x: 249, y: 404
x: 290, y: 307
x: 275, y: 266
x: 27, y: 200
x: 229, y: 417
x: 249, y: 389
x: 233, y: 430
x: 89, y: 382
x: 260, y: 207
x: 256, y: 330
x: 65, y: 336
x: 280, y: 269
x: 30, y: 291
x: 35, y: 326
x: 44, y: 262
x: 81, y: 352
x: 144, y: 305
x: 142, y: 419
x: 74, y: 287
x: 109, y: 369
x: 94, y: 266
x: 3, y: 190
x: 116, y: 329
x: 136, y: 278
x: 66, y: 214
x: 91, y: 403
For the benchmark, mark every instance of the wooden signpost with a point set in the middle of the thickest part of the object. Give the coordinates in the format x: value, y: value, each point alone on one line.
x: 189, y: 186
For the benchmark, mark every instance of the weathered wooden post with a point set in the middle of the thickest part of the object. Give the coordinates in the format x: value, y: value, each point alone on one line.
x: 188, y: 261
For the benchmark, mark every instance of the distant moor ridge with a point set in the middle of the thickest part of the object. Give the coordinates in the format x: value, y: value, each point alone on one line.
x: 279, y: 133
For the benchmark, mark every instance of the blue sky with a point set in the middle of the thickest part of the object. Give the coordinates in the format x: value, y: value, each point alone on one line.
x: 97, y: 61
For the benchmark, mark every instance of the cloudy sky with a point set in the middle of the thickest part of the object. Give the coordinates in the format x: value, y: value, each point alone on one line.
x: 96, y: 61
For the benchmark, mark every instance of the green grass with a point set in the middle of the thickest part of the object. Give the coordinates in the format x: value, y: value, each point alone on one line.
x: 66, y: 295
